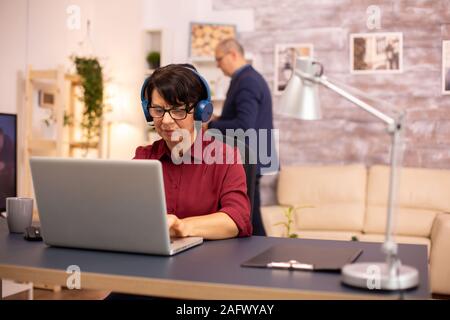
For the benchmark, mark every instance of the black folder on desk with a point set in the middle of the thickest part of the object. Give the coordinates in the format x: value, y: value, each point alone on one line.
x: 304, y: 257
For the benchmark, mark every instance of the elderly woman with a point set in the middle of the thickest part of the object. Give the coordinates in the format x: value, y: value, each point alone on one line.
x: 203, y: 199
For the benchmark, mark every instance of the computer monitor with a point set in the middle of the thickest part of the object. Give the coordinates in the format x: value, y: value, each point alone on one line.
x: 8, y: 158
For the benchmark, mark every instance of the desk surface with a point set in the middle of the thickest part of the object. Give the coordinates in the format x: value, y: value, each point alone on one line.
x: 209, y: 271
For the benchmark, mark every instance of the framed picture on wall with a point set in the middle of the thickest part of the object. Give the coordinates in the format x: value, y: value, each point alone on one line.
x: 376, y: 53
x: 446, y: 67
x: 204, y: 37
x: 285, y: 57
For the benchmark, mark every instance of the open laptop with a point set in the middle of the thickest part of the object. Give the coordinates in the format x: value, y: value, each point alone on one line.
x: 116, y: 205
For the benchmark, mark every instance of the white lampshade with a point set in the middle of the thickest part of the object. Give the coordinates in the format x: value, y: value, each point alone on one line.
x: 300, y: 99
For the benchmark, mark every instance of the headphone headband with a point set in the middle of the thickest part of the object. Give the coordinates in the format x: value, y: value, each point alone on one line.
x: 204, y: 82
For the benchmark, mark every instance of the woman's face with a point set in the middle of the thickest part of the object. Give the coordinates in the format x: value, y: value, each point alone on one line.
x: 166, y: 126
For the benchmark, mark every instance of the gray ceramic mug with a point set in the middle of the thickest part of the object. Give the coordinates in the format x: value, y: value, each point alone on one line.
x: 19, y: 214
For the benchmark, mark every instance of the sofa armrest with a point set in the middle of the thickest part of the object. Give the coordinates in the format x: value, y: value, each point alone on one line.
x: 440, y: 254
x: 271, y: 215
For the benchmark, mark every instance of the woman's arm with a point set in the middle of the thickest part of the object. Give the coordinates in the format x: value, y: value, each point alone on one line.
x: 213, y: 226
x: 233, y: 216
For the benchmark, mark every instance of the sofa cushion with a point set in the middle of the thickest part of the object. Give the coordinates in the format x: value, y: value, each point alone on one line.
x: 339, y: 216
x: 440, y: 255
x: 337, y: 194
x: 422, y: 193
x: 399, y: 239
x: 407, y: 221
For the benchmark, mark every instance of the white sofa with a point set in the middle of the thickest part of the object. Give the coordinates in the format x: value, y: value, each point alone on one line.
x: 350, y: 201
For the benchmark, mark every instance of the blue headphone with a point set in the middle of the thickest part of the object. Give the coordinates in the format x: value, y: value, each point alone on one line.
x: 202, y: 110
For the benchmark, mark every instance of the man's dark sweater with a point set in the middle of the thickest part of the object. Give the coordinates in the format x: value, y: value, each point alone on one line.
x: 248, y: 105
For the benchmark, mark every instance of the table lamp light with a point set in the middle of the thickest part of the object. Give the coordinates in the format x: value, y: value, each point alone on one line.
x: 301, y: 100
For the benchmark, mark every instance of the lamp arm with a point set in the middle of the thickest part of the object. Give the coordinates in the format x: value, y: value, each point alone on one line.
x: 363, y: 105
x: 394, y: 130
x: 358, y: 102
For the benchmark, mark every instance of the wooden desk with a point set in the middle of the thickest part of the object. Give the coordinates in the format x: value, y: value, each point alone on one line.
x: 209, y: 271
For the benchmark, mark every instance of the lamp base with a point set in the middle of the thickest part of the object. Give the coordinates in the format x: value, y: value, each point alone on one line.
x: 375, y: 276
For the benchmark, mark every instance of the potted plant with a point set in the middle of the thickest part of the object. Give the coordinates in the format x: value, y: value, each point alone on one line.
x: 90, y: 72
x: 153, y: 59
x: 289, y: 214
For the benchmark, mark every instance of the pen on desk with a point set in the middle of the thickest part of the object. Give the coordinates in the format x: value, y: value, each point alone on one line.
x: 292, y: 264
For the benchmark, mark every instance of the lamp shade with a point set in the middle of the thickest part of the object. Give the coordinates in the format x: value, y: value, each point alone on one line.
x: 300, y: 99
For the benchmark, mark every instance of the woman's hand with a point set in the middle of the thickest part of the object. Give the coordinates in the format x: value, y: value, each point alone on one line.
x: 212, y: 226
x: 177, y: 227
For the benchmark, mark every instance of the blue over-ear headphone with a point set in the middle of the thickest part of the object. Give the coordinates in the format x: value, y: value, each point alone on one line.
x: 202, y: 110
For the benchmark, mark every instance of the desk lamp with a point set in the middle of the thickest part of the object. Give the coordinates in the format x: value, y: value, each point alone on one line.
x: 300, y: 99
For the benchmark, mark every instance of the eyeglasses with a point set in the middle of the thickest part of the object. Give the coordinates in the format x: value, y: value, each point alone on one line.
x: 176, y: 113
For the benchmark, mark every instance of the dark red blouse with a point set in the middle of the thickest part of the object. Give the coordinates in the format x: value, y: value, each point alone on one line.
x: 197, y: 189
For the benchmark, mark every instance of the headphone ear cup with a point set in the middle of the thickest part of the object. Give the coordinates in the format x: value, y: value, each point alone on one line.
x: 144, y: 101
x: 203, y: 111
x: 147, y: 115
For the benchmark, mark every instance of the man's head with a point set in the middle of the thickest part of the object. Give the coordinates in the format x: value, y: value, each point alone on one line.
x: 229, y: 56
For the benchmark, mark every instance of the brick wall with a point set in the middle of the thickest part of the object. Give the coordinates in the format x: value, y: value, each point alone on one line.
x: 346, y: 134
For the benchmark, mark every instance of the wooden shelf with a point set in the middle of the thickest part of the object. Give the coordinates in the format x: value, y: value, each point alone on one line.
x: 74, y: 78
x: 153, y: 43
x: 41, y: 144
x: 43, y: 74
x: 63, y: 87
x: 84, y: 145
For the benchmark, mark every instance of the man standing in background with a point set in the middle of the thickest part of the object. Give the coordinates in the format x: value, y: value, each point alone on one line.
x: 248, y: 105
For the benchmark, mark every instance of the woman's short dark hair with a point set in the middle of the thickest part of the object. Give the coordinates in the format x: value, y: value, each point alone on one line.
x: 177, y: 85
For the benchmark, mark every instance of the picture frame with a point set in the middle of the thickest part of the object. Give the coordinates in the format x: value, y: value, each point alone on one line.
x: 446, y: 67
x: 284, y: 62
x: 379, y: 52
x: 46, y: 99
x: 204, y: 37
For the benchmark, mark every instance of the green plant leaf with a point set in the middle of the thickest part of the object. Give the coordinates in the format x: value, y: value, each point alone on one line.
x: 90, y: 72
x: 153, y: 59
